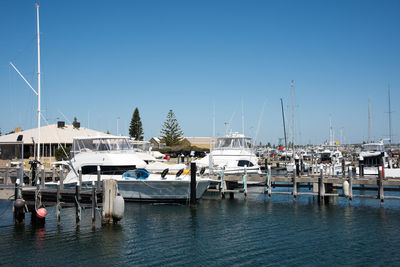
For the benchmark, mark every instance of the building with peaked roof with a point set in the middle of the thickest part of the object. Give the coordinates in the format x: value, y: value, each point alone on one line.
x: 201, y: 142
x: 51, y: 137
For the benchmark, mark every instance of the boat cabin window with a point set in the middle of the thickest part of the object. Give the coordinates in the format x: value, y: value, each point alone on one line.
x: 373, y: 147
x: 231, y: 143
x: 325, y: 157
x: 243, y: 163
x: 100, y: 144
x: 110, y: 170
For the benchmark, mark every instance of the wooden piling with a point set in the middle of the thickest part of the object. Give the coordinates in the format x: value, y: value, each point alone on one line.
x: 244, y: 178
x: 80, y: 178
x: 53, y: 174
x: 58, y: 204
x: 61, y: 174
x: 222, y: 184
x: 301, y: 167
x: 381, y: 195
x: 193, y: 183
x: 343, y: 168
x: 350, y: 183
x: 321, y: 187
x: 77, y: 205
x: 42, y: 177
x: 109, y: 193
x: 269, y: 181
x: 94, y: 206
x: 98, y: 177
x: 294, y: 186
x: 6, y: 175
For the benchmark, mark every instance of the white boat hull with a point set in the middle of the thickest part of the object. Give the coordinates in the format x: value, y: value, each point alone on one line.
x: 163, y: 191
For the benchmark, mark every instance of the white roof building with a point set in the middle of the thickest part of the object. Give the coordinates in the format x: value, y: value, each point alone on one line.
x: 52, y: 134
x: 51, y: 137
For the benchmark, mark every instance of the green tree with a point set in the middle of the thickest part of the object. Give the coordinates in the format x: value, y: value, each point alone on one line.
x: 136, y: 129
x: 171, y: 133
x: 75, y: 123
x: 60, y: 155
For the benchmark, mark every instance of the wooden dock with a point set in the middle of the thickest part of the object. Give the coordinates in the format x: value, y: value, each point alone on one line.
x: 319, y: 185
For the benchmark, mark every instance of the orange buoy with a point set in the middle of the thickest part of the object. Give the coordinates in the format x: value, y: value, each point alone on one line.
x: 41, y: 213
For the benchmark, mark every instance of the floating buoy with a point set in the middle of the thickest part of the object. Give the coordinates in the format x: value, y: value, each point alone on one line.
x: 41, y: 213
x: 118, y: 208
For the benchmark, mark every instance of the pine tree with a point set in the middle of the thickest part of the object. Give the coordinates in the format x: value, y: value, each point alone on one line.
x: 171, y: 133
x: 136, y: 129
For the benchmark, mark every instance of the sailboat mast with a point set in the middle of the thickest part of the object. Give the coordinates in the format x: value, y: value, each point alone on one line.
x: 369, y: 122
x: 284, y: 126
x: 390, y: 118
x: 38, y: 73
x: 292, y: 100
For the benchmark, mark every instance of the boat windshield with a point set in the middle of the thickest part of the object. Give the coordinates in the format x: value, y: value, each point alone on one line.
x: 373, y: 147
x: 231, y: 143
x: 141, y: 145
x: 100, y: 144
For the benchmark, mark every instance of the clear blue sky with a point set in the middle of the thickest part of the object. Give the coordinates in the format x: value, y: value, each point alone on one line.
x: 101, y: 59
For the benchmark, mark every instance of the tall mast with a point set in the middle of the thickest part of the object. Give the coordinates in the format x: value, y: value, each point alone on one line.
x: 38, y: 49
x: 390, y: 118
x: 284, y: 127
x: 369, y: 122
x: 292, y: 100
x: 330, y: 131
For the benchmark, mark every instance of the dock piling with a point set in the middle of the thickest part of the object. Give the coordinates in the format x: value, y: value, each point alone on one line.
x: 294, y: 186
x: 381, y: 195
x: 109, y: 194
x: 193, y: 184
x: 42, y: 177
x: 244, y: 178
x: 98, y: 177
x: 321, y: 187
x: 53, y: 174
x: 94, y: 206
x: 222, y: 184
x: 6, y: 175
x: 269, y: 181
x: 61, y: 177
x: 80, y: 178
x: 350, y: 183
x: 77, y: 205
x: 58, y: 204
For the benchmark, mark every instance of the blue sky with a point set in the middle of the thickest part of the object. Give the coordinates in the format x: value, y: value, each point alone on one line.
x: 101, y: 59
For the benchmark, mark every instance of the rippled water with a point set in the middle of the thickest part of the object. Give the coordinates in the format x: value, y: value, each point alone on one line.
x: 226, y: 232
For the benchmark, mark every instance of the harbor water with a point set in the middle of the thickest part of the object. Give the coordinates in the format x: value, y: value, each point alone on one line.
x: 252, y: 232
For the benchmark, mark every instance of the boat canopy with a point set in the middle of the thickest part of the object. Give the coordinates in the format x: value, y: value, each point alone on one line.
x: 234, y: 141
x: 97, y: 144
x: 380, y: 147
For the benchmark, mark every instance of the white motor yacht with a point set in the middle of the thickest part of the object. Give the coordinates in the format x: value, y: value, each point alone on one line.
x: 373, y: 155
x: 231, y: 154
x: 115, y: 158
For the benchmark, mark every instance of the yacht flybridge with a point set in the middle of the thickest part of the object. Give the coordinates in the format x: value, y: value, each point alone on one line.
x: 232, y: 154
x: 115, y: 158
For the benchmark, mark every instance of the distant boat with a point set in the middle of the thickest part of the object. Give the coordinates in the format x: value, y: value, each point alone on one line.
x: 232, y: 155
x: 372, y: 156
